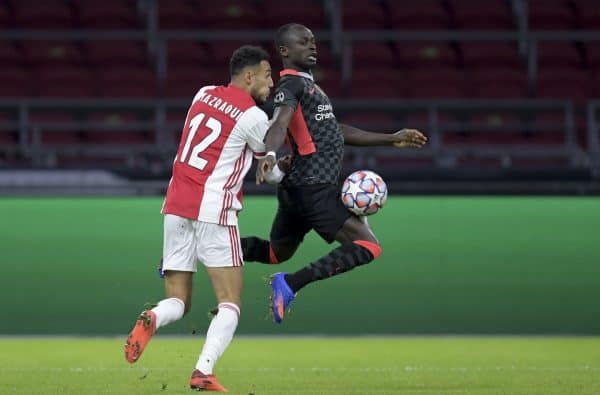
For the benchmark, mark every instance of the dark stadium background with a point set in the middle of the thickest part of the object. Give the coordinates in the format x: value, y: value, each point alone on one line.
x: 93, y: 95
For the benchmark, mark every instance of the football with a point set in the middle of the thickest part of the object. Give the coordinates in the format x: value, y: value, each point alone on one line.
x: 364, y: 192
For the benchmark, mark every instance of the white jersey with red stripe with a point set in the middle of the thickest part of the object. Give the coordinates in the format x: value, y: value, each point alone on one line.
x: 223, y: 128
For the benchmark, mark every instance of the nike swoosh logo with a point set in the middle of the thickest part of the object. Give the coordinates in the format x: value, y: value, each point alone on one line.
x: 311, y: 91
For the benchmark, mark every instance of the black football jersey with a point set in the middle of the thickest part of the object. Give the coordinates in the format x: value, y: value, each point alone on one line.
x: 314, y: 133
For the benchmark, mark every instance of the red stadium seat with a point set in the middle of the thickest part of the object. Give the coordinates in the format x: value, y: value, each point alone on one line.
x: 9, y: 135
x: 588, y: 14
x: 424, y: 54
x: 65, y: 82
x: 482, y: 15
x: 108, y: 14
x: 185, y: 82
x: 595, y: 82
x: 372, y: 54
x: 106, y: 131
x: 52, y: 53
x: 9, y: 55
x: 8, y: 138
x: 16, y: 82
x: 566, y: 84
x: 328, y: 79
x: 554, y: 129
x: 219, y: 52
x: 52, y: 135
x: 377, y: 74
x: 362, y: 14
x: 592, y: 50
x: 48, y: 14
x: 477, y: 54
x: 487, y: 129
x: 324, y: 55
x: 370, y: 120
x: 435, y: 83
x: 127, y: 82
x: 5, y: 16
x: 558, y: 54
x: 117, y: 53
x: 551, y: 15
x: 419, y: 15
x: 187, y: 53
x: 178, y: 14
x: 307, y: 12
x: 224, y: 14
x: 497, y: 83
x: 377, y: 89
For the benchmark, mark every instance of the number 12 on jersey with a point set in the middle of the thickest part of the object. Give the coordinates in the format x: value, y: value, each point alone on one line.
x: 194, y: 159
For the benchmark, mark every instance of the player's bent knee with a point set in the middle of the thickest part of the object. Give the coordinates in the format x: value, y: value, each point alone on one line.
x: 280, y: 253
x: 374, y: 248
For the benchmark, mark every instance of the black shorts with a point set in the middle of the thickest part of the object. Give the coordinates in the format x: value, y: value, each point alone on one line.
x: 304, y: 208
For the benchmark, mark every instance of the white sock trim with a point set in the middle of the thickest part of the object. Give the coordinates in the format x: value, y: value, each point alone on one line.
x: 230, y: 306
x: 168, y: 310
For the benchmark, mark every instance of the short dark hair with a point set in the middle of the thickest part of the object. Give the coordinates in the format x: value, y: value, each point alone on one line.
x: 282, y: 34
x: 246, y: 55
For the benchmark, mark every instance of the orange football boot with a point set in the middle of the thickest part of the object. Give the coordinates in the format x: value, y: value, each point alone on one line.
x: 205, y: 382
x: 140, y: 335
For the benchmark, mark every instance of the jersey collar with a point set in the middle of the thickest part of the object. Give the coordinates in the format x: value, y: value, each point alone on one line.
x: 296, y: 73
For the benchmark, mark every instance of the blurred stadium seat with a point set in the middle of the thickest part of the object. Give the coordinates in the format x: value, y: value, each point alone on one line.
x: 497, y: 83
x: 130, y: 82
x: 51, y: 128
x: 51, y: 54
x: 425, y: 54
x: 481, y: 15
x: 495, y: 54
x: 551, y: 15
x: 560, y: 82
x: 475, y: 66
x: 373, y: 54
x: 441, y: 83
x: 116, y: 53
x: 108, y: 14
x: 51, y: 14
x: 421, y: 15
x: 588, y: 14
x: 65, y: 82
x: 307, y: 12
x: 558, y: 54
x: 16, y: 82
x: 224, y: 15
x: 363, y: 14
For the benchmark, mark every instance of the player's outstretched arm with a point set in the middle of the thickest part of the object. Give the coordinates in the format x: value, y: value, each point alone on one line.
x: 405, y: 138
x: 274, y: 140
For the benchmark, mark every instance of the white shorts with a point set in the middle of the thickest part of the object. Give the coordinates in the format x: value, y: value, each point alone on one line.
x: 187, y: 241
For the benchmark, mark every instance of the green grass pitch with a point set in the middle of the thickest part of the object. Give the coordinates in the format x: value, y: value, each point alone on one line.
x: 292, y: 365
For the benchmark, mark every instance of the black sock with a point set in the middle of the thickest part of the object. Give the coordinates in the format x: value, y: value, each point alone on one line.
x: 255, y: 249
x: 340, y: 260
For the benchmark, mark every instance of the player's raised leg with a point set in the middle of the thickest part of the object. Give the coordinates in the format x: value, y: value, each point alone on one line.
x: 178, y: 288
x: 179, y: 265
x: 359, y: 247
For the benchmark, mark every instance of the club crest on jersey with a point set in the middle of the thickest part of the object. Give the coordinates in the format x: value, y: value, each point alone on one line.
x: 279, y: 97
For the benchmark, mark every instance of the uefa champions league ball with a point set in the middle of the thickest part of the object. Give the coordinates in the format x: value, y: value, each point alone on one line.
x: 364, y: 192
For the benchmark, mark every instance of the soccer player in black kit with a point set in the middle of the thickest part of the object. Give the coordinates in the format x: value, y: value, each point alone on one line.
x: 309, y: 194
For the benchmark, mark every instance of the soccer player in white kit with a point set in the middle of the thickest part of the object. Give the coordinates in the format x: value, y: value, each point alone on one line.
x: 223, y: 129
